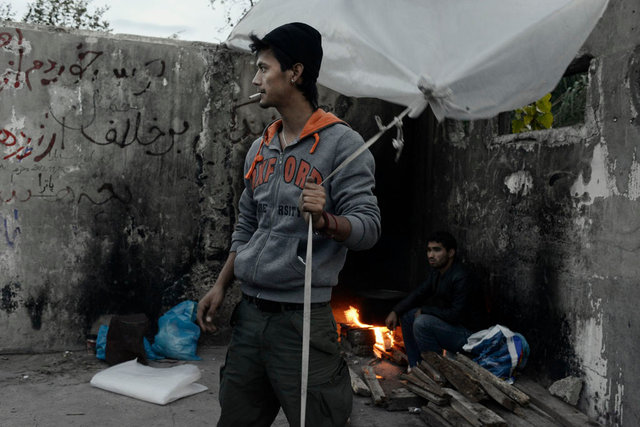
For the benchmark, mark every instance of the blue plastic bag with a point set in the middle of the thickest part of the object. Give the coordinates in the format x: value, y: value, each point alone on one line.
x: 148, y: 349
x: 498, y: 350
x: 177, y: 336
x: 101, y: 342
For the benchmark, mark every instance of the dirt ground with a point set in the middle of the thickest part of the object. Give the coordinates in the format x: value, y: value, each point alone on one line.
x: 53, y: 390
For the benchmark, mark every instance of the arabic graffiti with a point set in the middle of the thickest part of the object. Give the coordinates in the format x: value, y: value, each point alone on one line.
x: 108, y: 187
x: 20, y: 74
x: 10, y: 223
x: 96, y: 98
x: 158, y: 138
x: 21, y: 71
x: 19, y: 144
x: 127, y: 135
x: 153, y: 68
x: 19, y: 196
x: 47, y: 191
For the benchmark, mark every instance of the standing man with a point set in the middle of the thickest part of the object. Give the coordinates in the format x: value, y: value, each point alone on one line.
x: 283, y: 170
x: 441, y: 312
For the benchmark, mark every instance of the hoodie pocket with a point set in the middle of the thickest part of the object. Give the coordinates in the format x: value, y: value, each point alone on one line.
x: 269, y: 259
x: 328, y: 259
x: 247, y: 255
x: 277, y: 260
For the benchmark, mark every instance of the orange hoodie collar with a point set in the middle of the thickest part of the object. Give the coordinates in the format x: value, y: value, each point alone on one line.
x: 319, y: 120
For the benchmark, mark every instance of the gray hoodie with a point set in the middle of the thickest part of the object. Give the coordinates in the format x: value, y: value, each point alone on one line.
x: 271, y: 235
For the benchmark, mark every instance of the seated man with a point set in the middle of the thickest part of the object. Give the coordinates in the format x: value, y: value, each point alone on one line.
x: 440, y: 313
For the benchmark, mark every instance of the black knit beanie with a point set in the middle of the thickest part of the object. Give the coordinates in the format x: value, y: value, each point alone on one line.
x: 301, y: 43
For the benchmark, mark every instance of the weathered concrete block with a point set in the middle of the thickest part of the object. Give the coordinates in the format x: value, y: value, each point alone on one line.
x: 101, y: 188
x: 567, y: 389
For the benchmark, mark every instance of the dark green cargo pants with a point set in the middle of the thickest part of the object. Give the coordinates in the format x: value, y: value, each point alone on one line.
x: 263, y: 368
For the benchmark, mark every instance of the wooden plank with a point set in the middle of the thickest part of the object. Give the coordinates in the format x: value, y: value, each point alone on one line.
x: 535, y: 416
x: 433, y: 373
x: 413, y: 378
x: 488, y: 386
x: 377, y: 394
x: 512, y: 419
x: 394, y: 355
x: 399, y: 357
x: 457, y: 377
x: 499, y: 396
x: 449, y: 414
x: 486, y: 375
x: 432, y: 418
x: 427, y: 395
x: 474, y: 412
x: 463, y: 411
x: 357, y: 385
x: 560, y: 411
x: 435, y: 387
x: 401, y: 399
x: 523, y: 416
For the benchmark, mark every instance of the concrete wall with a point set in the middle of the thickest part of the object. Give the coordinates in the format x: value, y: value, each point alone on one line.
x: 551, y: 220
x: 103, y: 145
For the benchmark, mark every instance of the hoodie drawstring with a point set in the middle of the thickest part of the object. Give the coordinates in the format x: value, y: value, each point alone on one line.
x: 258, y: 158
x: 315, y: 144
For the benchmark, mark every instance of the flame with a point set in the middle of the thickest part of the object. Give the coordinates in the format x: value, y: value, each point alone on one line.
x: 384, y: 337
x: 353, y: 316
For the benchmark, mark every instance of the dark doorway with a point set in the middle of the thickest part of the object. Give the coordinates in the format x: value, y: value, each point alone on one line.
x: 398, y: 260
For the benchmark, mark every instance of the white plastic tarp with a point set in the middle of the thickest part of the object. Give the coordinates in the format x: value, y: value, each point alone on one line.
x: 155, y: 385
x: 472, y: 58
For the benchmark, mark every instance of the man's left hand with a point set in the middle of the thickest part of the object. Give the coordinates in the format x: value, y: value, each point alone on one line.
x: 311, y: 202
x: 391, y: 321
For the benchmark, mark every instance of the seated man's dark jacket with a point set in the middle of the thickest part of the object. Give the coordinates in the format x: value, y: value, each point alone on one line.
x: 451, y: 297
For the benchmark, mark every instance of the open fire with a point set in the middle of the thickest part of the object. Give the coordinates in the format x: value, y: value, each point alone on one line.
x: 383, y: 336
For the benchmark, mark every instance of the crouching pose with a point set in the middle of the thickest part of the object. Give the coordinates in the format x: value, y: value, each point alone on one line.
x: 444, y: 309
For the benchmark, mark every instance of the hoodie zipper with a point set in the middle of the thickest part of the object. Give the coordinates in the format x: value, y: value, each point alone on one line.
x: 276, y: 175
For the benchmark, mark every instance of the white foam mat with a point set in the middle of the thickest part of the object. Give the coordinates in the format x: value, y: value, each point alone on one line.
x: 155, y: 385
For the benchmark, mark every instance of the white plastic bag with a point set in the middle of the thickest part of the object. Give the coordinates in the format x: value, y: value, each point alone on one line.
x: 473, y: 59
x: 155, y: 385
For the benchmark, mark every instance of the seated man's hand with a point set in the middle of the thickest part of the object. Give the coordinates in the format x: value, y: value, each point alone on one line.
x: 391, y: 321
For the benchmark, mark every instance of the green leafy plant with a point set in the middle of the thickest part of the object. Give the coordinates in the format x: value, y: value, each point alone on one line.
x: 61, y: 13
x: 535, y: 116
x: 569, y: 100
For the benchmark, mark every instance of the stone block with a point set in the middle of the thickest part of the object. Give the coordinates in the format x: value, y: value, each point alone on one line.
x: 567, y: 389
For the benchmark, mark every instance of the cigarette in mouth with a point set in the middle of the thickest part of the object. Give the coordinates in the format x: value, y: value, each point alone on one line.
x: 255, y: 95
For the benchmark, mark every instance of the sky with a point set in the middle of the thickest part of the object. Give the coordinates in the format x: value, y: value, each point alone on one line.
x: 190, y: 19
